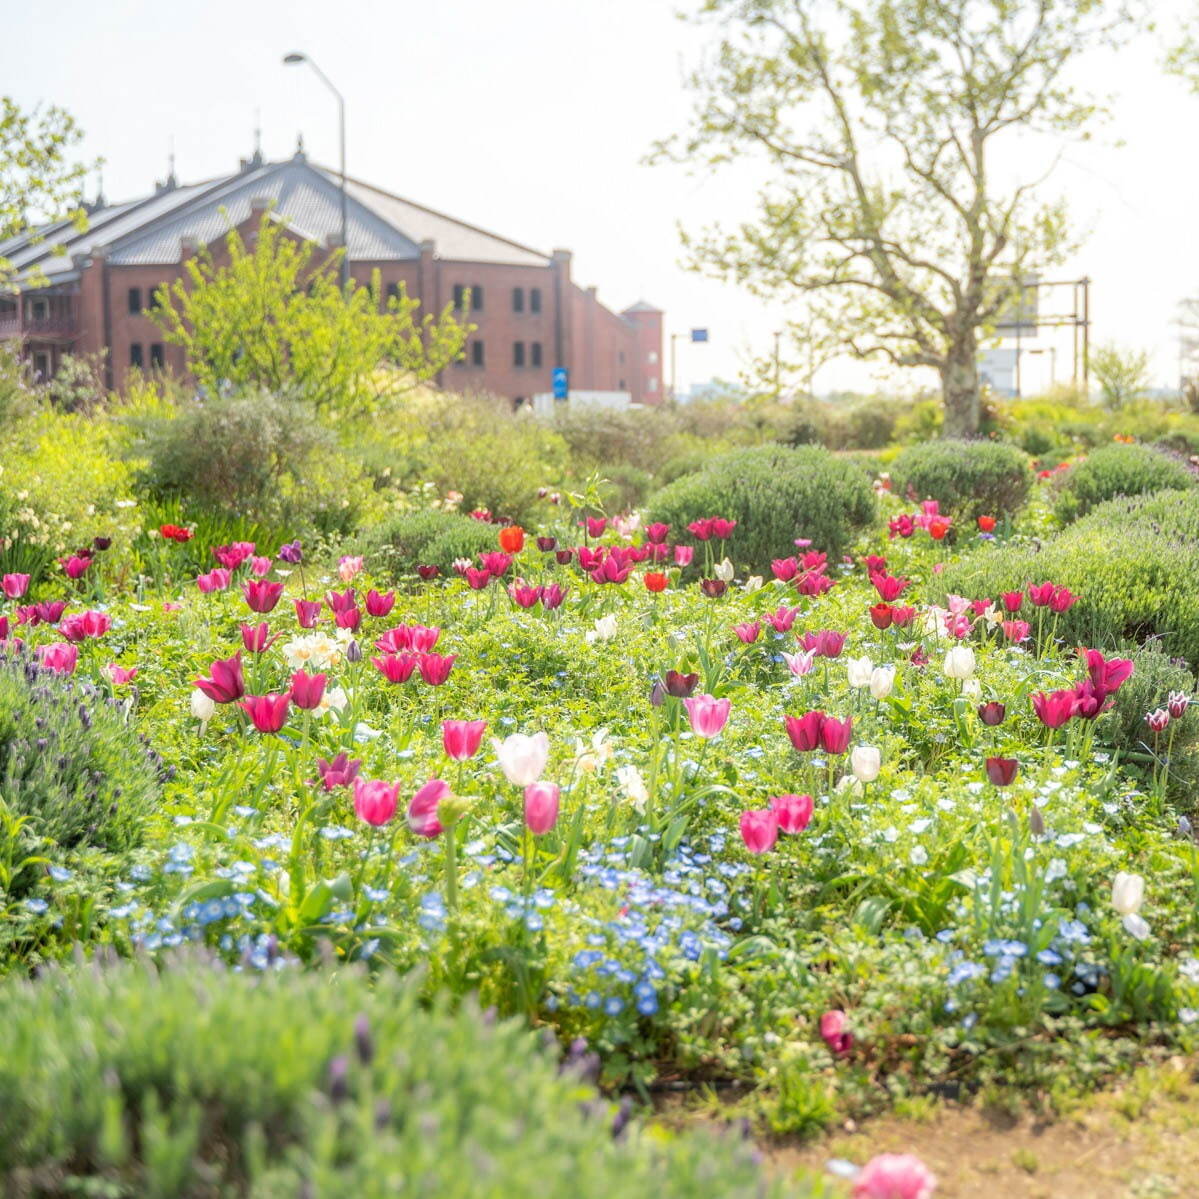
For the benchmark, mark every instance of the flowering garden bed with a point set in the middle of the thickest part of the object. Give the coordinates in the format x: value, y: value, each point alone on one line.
x: 828, y: 834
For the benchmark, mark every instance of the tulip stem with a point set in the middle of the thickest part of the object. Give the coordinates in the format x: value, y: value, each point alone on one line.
x: 370, y: 845
x: 451, y: 868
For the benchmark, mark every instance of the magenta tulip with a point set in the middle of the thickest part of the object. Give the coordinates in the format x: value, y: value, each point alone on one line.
x: 793, y: 812
x: 552, y: 595
x: 396, y: 668
x: 379, y: 604
x: 804, y: 730
x: 894, y: 1176
x: 748, y: 631
x: 834, y: 1029
x: 375, y: 801
x: 268, y: 712
x: 1054, y: 709
x: 216, y: 579
x: 707, y: 714
x: 341, y: 601
x: 118, y: 676
x: 82, y: 625
x: 59, y: 658
x: 759, y: 830
x: 307, y: 690
x: 523, y: 594
x: 15, y: 585
x: 435, y: 668
x: 835, y: 734
x: 341, y: 772
x: 541, y: 807
x: 256, y: 638
x: 308, y: 612
x: 226, y: 683
x: 75, y: 565
x: 461, y: 738
x: 422, y: 811
x: 261, y: 595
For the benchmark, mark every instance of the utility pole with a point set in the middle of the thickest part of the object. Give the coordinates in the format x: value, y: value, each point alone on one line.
x: 778, y: 378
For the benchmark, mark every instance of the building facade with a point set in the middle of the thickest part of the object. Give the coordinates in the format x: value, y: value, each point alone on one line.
x: 94, y: 288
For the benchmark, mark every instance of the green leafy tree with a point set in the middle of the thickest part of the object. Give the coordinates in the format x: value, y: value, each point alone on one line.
x: 38, y: 181
x: 274, y: 317
x: 1122, y: 375
x: 878, y: 124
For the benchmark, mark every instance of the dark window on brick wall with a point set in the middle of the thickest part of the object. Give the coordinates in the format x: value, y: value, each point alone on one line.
x: 535, y: 354
x: 459, y: 294
x: 157, y: 357
x: 534, y: 299
x: 135, y: 300
x: 135, y: 354
x: 393, y: 291
x: 518, y: 299
x: 476, y: 353
x: 518, y: 353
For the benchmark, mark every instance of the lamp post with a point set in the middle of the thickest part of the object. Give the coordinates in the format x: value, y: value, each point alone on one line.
x: 292, y: 59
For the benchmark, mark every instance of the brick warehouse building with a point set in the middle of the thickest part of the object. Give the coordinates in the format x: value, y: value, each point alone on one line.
x: 531, y: 315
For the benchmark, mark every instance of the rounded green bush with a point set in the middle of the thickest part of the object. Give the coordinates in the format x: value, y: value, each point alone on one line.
x: 1132, y: 562
x: 430, y: 537
x: 69, y: 764
x: 190, y: 1080
x: 1116, y: 470
x: 775, y: 494
x: 968, y: 478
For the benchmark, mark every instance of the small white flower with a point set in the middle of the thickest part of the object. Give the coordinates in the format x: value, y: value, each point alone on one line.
x: 202, y: 706
x: 592, y: 758
x: 333, y: 700
x: 604, y: 630
x: 633, y: 785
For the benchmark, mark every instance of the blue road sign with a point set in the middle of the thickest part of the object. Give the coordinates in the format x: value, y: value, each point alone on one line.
x: 561, y: 379
x: 699, y: 335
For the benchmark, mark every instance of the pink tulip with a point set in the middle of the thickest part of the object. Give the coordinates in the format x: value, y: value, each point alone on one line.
x: 541, y: 807
x: 1054, y: 709
x: 422, y: 811
x: 1016, y: 631
x: 835, y: 734
x: 261, y: 595
x: 45, y: 612
x: 348, y: 567
x: 749, y: 631
x: 793, y: 812
x: 308, y: 612
x: 85, y: 624
x: 396, y: 668
x: 75, y: 565
x: 552, y: 596
x: 118, y: 676
x: 216, y: 579
x: 495, y: 562
x: 800, y: 664
x: 683, y: 555
x: 596, y: 526
x: 834, y: 1028
x: 226, y: 683
x: 307, y: 690
x: 59, y: 658
x: 477, y: 579
x: 15, y: 585
x: 341, y: 772
x: 657, y: 532
x: 379, y: 604
x: 784, y: 569
x: 523, y: 594
x: 339, y: 601
x: 261, y: 567
x: 804, y: 730
x: 894, y: 1176
x: 232, y: 556
x: 707, y: 714
x: 375, y: 801
x: 347, y: 618
x: 759, y: 830
x: 268, y: 712
x: 782, y: 620
x: 461, y: 738
x: 435, y: 668
x: 256, y: 638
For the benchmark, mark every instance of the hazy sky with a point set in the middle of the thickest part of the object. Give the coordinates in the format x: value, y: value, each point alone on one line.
x: 532, y: 117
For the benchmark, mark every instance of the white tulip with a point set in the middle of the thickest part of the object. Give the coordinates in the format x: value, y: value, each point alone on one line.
x: 959, y: 662
x: 1128, y: 893
x: 752, y: 584
x: 882, y: 680
x: 865, y: 761
x: 202, y: 706
x: 605, y: 630
x: 522, y: 758
x: 972, y: 688
x: 859, y: 671
x: 633, y: 785
x: 725, y: 571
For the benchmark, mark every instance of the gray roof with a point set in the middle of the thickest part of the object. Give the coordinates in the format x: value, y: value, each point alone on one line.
x: 381, y: 227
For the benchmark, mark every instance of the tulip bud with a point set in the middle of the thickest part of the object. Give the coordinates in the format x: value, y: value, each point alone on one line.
x: 959, y: 663
x: 202, y: 707
x: 859, y: 671
x: 865, y: 761
x: 353, y: 652
x: 451, y: 808
x: 1036, y: 822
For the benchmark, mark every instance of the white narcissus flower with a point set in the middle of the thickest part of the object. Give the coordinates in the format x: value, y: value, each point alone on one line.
x: 522, y: 758
x: 882, y: 680
x: 202, y: 706
x: 859, y: 671
x: 724, y: 570
x: 592, y: 758
x: 633, y: 785
x: 605, y: 630
x: 333, y: 700
x: 865, y: 761
x: 959, y: 662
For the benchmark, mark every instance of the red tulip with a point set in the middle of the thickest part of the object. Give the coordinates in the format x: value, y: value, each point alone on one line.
x: 835, y: 734
x: 428, y: 572
x: 804, y: 731
x: 379, y: 604
x: 512, y: 539
x: 226, y: 683
x: 175, y: 533
x: 541, y: 807
x: 888, y: 587
x: 938, y: 527
x: 1002, y: 771
x: 1012, y: 600
x: 655, y: 581
x: 307, y: 690
x: 986, y: 524
x: 461, y: 738
x: 261, y: 595
x: 308, y: 612
x: 881, y: 616
x: 435, y: 668
x: 1054, y: 709
x: 268, y: 712
x: 422, y: 810
x: 759, y: 830
x: 793, y: 812
x: 375, y: 801
x: 680, y: 685
x: 701, y: 530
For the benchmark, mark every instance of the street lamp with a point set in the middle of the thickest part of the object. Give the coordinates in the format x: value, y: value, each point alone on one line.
x: 291, y: 60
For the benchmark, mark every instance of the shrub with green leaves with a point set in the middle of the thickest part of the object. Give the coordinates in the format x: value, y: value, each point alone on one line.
x: 1116, y: 470
x: 193, y: 1081
x: 430, y: 537
x: 968, y: 478
x: 775, y: 495
x: 69, y: 764
x: 1132, y: 563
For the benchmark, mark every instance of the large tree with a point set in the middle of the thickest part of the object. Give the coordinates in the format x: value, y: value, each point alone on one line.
x: 274, y: 316
x: 39, y: 181
x: 878, y: 122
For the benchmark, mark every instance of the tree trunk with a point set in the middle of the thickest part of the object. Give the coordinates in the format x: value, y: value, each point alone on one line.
x: 959, y: 389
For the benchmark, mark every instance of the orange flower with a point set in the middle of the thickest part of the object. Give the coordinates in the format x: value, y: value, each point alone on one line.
x: 937, y: 528
x: 986, y: 523
x: 655, y: 580
x: 512, y: 539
